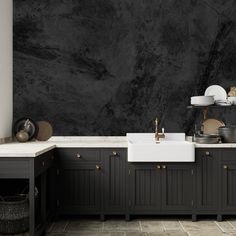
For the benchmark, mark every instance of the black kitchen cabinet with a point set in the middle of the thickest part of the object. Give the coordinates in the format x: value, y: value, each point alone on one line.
x: 16, y: 172
x: 101, y: 181
x: 158, y: 188
x: 114, y: 185
x: 92, y: 181
x: 80, y: 175
x: 177, y: 187
x: 228, y: 181
x: 144, y: 188
x: 207, y: 184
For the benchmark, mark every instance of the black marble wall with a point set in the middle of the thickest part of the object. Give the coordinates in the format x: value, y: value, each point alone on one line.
x: 109, y: 67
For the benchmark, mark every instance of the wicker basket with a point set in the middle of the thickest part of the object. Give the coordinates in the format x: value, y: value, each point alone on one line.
x: 14, y: 214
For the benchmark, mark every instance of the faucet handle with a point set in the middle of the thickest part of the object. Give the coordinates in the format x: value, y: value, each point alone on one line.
x: 156, y: 121
x: 163, y: 130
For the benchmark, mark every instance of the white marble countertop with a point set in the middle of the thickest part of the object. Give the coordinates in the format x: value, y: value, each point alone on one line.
x: 29, y: 149
x: 89, y: 141
x: 36, y: 148
x: 217, y: 145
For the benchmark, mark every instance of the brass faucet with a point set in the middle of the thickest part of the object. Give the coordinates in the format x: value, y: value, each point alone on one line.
x: 157, y: 134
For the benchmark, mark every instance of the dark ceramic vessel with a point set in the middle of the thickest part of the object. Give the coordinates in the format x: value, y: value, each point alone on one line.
x: 228, y: 134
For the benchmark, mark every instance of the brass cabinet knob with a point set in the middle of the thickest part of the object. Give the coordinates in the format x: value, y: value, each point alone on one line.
x: 158, y: 167
x: 98, y: 167
x: 164, y: 167
x: 207, y: 153
x: 114, y: 153
x: 78, y: 156
x: 225, y: 167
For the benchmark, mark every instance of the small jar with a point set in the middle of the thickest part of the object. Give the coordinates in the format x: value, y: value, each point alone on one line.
x: 232, y: 92
x: 22, y: 136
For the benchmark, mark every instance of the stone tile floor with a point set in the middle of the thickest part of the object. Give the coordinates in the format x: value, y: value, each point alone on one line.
x: 142, y: 227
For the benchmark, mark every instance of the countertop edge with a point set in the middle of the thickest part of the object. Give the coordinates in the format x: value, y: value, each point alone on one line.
x: 26, y: 150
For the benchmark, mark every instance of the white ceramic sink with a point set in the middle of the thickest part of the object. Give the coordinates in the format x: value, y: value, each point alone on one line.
x: 142, y: 147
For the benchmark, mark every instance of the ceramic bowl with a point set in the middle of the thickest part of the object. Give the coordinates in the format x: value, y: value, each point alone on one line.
x: 202, y: 100
x: 232, y: 100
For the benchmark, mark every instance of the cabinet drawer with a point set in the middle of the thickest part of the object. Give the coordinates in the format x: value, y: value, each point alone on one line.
x: 79, y: 154
x: 229, y: 155
x: 205, y: 153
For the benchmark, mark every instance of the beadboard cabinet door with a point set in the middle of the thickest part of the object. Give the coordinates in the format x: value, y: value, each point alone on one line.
x: 80, y: 179
x: 207, y: 184
x: 177, y: 187
x: 114, y: 188
x: 144, y: 188
x: 228, y: 179
x: 81, y: 189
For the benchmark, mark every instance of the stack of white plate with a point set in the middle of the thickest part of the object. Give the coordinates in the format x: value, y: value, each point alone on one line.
x: 225, y: 102
x: 217, y: 91
x: 213, y: 94
x: 202, y: 100
x: 232, y: 100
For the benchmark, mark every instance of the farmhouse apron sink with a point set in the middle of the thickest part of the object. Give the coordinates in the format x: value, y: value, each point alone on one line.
x: 142, y: 147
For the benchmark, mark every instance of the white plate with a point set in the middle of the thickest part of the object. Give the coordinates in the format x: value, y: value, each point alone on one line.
x: 232, y: 100
x: 217, y: 91
x: 201, y: 104
x: 224, y: 104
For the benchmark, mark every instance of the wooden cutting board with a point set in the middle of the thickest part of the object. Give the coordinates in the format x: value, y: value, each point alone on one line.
x: 211, y: 126
x: 45, y: 131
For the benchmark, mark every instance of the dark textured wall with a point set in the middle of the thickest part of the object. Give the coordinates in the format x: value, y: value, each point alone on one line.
x: 110, y: 66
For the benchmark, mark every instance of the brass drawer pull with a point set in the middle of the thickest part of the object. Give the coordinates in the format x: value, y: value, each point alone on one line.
x: 207, y: 153
x: 114, y: 153
x: 158, y: 167
x: 98, y: 167
x: 164, y: 167
x: 78, y: 156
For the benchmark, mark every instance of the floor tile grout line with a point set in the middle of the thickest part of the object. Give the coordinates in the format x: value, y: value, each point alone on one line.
x: 184, y: 228
x: 67, y: 223
x: 164, y: 229
x: 51, y: 228
x: 140, y: 225
x: 232, y: 225
x: 220, y: 227
x: 172, y: 228
x: 224, y: 231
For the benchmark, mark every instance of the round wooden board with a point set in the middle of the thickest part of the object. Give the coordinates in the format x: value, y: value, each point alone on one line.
x: 210, y: 126
x: 45, y: 131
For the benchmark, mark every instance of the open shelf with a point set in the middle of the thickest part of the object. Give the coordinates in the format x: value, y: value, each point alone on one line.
x: 205, y: 109
x: 211, y: 106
